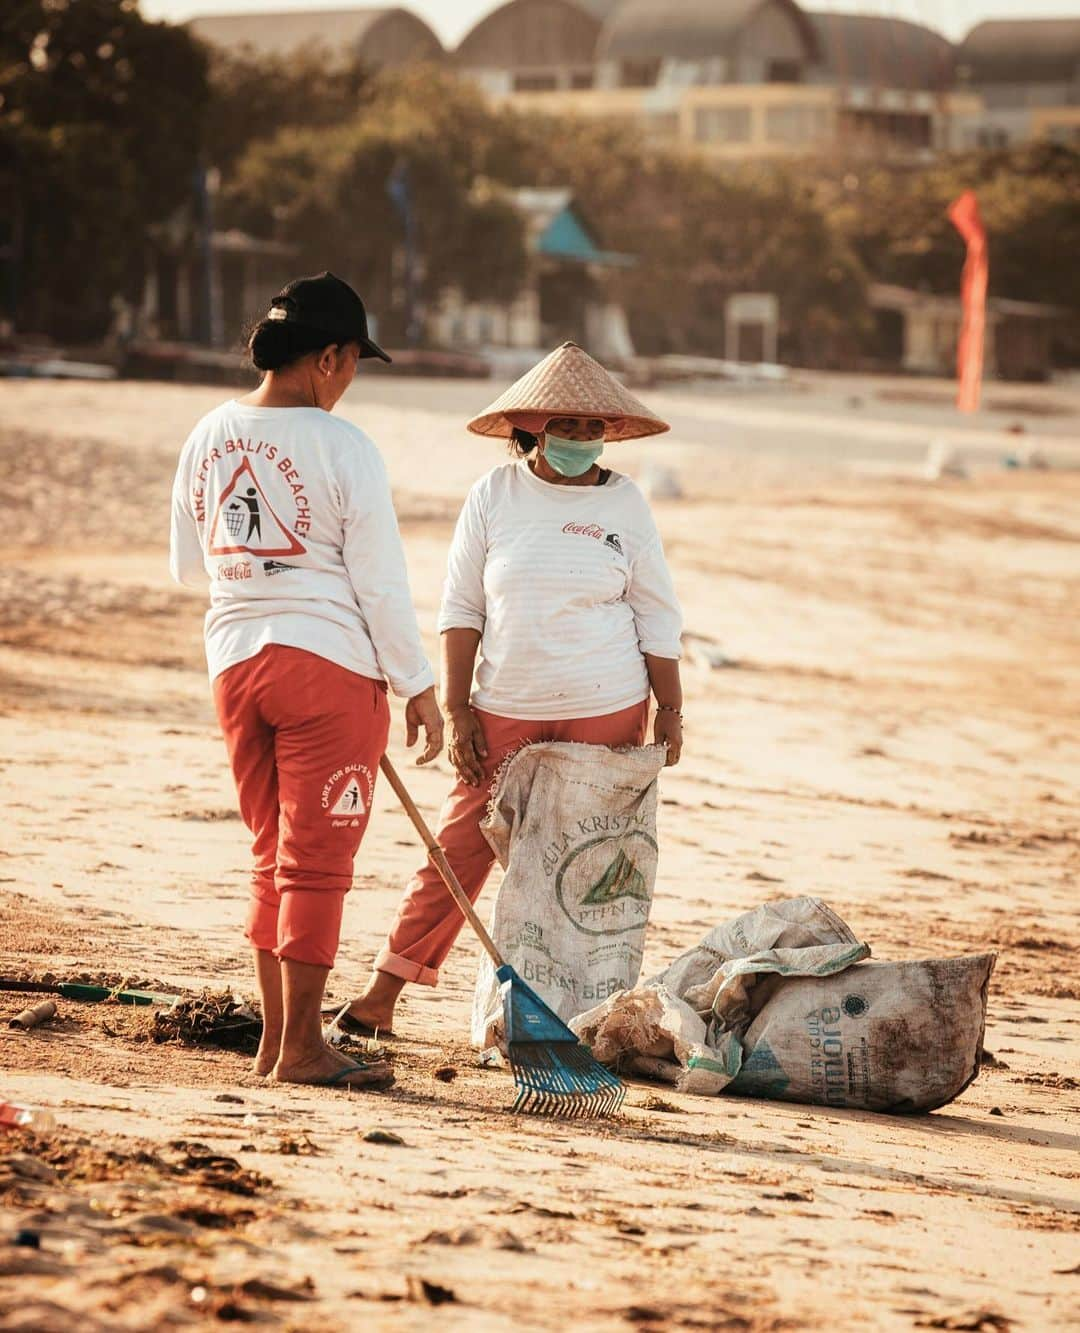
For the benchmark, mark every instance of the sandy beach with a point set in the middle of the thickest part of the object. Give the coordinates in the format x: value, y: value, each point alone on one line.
x: 895, y: 732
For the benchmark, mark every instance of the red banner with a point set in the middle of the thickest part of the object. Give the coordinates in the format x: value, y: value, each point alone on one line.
x: 964, y: 215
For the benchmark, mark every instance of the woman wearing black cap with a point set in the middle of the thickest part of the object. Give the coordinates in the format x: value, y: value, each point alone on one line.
x: 287, y: 509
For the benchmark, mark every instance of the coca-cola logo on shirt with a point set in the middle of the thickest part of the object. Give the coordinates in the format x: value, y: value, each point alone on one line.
x: 585, y: 530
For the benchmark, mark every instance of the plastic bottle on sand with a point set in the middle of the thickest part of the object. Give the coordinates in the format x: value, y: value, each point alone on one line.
x: 14, y: 1116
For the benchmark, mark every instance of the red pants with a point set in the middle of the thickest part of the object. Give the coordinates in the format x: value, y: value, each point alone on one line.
x: 305, y: 737
x: 428, y: 920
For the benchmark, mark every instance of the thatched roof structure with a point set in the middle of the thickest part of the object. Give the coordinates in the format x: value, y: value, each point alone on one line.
x: 1022, y: 51
x: 531, y: 34
x: 868, y: 50
x: 388, y: 36
x: 691, y: 29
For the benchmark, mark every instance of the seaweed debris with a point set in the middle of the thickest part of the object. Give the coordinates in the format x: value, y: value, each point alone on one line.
x: 209, y: 1020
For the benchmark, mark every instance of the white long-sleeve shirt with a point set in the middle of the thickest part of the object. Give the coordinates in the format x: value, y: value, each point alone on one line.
x: 568, y: 586
x: 288, y: 511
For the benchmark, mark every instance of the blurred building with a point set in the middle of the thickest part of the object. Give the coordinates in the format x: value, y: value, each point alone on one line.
x: 729, y: 78
x: 919, y: 331
x: 566, y: 293
x: 531, y: 46
x: 704, y: 43
x: 1026, y: 73
x: 725, y: 79
x: 754, y: 78
x: 893, y: 82
x: 390, y: 36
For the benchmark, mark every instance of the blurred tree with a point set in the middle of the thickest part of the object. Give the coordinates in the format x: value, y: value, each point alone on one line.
x: 104, y: 119
x: 321, y: 144
x: 1029, y: 198
x: 70, y: 195
x: 698, y: 235
x: 323, y: 187
x: 100, y: 134
x: 253, y: 97
x: 701, y: 234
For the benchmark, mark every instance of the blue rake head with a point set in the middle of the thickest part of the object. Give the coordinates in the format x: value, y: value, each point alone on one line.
x: 554, y: 1073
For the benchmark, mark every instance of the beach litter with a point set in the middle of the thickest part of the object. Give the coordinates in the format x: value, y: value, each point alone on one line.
x: 944, y: 461
x: 574, y: 828
x: 87, y: 991
x: 554, y: 1074
x: 13, y: 1115
x: 333, y: 1033
x: 209, y: 1019
x: 34, y: 1016
x: 782, y: 1003
x: 424, y: 1292
x: 1026, y: 456
x: 384, y: 1136
x: 298, y: 1145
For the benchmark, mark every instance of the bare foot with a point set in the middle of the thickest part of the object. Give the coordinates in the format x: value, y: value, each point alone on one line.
x: 362, y: 1019
x: 374, y: 1009
x: 330, y: 1067
x: 376, y: 1017
x: 266, y: 1056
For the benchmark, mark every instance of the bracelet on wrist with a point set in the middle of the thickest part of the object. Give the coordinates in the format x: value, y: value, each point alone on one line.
x: 670, y: 708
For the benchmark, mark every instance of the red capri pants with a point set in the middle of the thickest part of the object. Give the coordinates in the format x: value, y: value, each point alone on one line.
x: 304, y: 737
x: 428, y: 919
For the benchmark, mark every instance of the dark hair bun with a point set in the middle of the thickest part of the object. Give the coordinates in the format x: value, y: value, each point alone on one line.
x: 275, y: 343
x: 270, y: 346
x: 522, y: 442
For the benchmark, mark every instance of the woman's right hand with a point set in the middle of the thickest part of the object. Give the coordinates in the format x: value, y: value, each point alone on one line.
x: 467, y: 747
x: 423, y: 711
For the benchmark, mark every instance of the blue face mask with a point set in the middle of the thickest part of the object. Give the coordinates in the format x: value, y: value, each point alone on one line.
x: 571, y: 458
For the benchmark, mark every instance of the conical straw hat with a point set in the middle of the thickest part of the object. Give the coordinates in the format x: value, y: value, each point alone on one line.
x: 568, y: 383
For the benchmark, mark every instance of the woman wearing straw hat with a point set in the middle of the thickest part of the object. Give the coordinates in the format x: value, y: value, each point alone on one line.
x: 557, y: 577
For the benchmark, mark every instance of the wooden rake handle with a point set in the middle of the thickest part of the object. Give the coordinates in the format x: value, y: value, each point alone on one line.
x: 438, y: 859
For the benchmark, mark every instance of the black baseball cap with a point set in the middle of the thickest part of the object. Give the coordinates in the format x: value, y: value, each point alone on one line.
x: 325, y: 304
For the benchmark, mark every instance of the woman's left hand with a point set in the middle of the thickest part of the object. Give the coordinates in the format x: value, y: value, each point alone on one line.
x: 667, y: 730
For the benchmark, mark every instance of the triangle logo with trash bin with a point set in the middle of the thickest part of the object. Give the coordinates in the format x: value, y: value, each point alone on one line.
x: 244, y: 522
x: 350, y: 802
